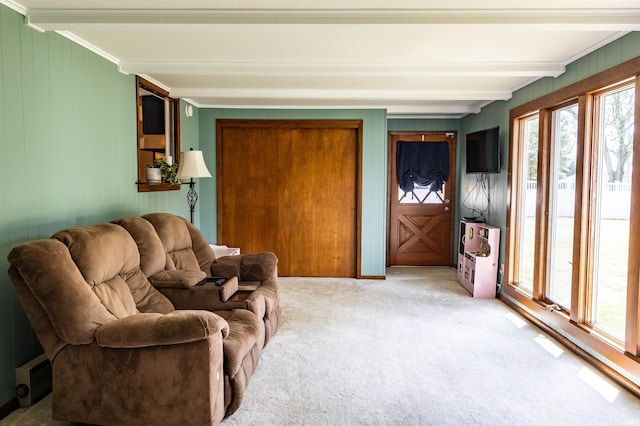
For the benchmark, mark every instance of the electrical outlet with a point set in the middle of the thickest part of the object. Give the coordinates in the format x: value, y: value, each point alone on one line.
x: 502, y: 269
x: 465, y: 187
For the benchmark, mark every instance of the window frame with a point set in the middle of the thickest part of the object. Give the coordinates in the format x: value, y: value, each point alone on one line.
x: 575, y: 323
x: 543, y: 285
x: 587, y: 319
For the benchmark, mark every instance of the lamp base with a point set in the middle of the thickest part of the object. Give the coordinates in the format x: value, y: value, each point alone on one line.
x: 192, y: 198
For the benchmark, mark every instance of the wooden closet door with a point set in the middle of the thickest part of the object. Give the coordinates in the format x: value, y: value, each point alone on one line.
x: 292, y: 188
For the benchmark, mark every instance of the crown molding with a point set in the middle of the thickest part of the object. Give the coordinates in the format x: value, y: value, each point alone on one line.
x: 594, y: 19
x: 17, y: 7
x: 69, y: 35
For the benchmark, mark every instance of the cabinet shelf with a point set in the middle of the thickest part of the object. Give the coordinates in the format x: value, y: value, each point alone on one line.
x: 154, y: 187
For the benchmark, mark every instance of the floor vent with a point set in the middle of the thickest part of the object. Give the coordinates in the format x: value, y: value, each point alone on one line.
x: 33, y: 380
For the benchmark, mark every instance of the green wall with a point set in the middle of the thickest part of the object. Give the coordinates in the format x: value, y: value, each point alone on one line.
x: 374, y: 172
x: 67, y: 157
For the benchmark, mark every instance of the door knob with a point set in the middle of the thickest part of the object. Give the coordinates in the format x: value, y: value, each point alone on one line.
x: 446, y: 209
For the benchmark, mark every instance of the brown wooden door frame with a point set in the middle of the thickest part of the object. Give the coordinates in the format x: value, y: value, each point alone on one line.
x: 451, y: 183
x: 356, y: 125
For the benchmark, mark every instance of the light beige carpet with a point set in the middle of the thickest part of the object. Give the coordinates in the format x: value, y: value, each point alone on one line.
x: 414, y: 349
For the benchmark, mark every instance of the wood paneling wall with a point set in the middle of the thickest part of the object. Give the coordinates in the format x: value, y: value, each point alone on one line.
x: 67, y: 154
x: 67, y: 157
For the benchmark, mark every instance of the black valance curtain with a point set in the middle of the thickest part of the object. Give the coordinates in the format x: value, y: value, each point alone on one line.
x: 422, y: 163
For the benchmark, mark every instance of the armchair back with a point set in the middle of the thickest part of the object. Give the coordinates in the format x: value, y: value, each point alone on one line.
x: 80, y: 279
x: 185, y: 246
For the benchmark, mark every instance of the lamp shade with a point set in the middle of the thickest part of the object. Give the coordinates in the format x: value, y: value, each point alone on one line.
x: 192, y: 165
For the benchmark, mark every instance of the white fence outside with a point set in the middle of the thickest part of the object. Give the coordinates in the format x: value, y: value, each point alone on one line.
x: 615, y: 201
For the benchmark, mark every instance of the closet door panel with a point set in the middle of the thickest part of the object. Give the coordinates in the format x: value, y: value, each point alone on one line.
x: 291, y: 189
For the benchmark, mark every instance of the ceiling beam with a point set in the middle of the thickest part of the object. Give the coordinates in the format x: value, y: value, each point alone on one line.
x: 324, y: 69
x: 600, y: 19
x: 389, y: 96
x: 407, y: 111
x: 393, y: 110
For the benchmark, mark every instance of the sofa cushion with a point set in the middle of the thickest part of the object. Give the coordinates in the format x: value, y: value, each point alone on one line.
x: 106, y: 255
x: 147, y: 298
x: 152, y: 254
x: 116, y: 297
x: 176, y: 239
x: 245, y: 332
x: 200, y: 247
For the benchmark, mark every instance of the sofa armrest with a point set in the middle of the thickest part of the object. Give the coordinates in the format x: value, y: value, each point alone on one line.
x: 227, y: 289
x: 247, y: 267
x: 152, y: 329
x: 177, y: 278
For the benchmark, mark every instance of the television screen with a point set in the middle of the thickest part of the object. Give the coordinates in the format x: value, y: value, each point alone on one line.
x: 483, y: 151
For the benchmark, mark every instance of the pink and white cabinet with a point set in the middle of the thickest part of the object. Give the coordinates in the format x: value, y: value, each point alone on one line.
x: 478, y: 258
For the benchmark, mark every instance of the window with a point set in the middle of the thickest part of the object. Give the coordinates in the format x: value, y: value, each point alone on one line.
x: 613, y: 167
x: 570, y: 258
x: 158, y: 123
x: 527, y: 184
x: 562, y: 196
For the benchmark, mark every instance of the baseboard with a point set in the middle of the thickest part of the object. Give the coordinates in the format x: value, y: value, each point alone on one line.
x: 596, y: 363
x: 8, y: 408
x: 371, y: 277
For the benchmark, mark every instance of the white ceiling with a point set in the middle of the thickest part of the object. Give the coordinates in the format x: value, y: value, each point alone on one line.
x: 416, y: 58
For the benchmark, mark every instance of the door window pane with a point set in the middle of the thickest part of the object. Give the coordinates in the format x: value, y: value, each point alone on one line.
x: 422, y: 195
x: 562, y: 197
x: 615, y: 144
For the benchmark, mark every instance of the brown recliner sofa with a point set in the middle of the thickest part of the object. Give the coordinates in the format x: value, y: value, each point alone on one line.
x: 189, y: 259
x: 120, y: 351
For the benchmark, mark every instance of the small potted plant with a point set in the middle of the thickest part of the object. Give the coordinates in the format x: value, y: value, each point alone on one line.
x: 154, y: 175
x: 161, y: 171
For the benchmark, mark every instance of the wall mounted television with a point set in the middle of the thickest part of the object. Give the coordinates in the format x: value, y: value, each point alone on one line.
x: 483, y: 151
